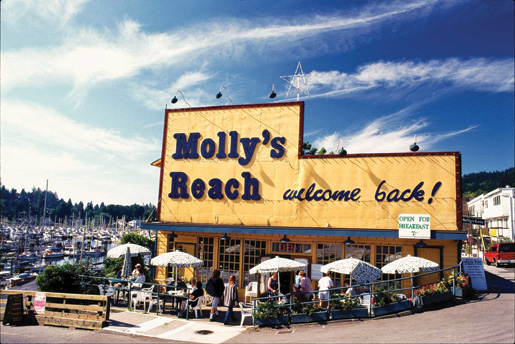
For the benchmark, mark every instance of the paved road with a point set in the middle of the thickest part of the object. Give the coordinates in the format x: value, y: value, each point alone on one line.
x: 488, y: 318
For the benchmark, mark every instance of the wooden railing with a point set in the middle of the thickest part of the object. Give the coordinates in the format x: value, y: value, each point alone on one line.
x: 61, y: 309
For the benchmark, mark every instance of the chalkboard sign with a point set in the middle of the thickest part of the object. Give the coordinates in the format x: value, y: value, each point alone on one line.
x: 14, y: 310
x: 474, y: 268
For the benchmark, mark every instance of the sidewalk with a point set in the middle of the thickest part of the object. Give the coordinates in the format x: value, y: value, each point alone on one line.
x: 165, y: 326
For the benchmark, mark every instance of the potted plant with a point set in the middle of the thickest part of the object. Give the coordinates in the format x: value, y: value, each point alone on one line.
x: 269, y: 313
x: 307, y: 312
x: 347, y: 308
x: 433, y: 293
x: 462, y: 288
x: 385, y: 301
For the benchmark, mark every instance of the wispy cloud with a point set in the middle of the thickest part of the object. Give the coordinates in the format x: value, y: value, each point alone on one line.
x: 388, y: 134
x: 56, y: 12
x: 90, y: 161
x: 46, y: 125
x: 88, y: 57
x: 478, y: 74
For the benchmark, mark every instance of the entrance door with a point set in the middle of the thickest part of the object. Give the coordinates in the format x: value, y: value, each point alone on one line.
x: 189, y: 248
x: 432, y: 254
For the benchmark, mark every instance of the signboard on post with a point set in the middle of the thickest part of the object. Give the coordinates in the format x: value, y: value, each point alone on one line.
x: 474, y: 220
x: 473, y: 267
x: 415, y: 226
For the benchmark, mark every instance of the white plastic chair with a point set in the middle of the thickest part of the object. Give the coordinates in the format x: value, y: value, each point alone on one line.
x: 366, y: 300
x: 153, y: 300
x: 107, y: 292
x: 246, y: 311
x: 251, y: 290
x: 198, y: 307
x: 140, y: 296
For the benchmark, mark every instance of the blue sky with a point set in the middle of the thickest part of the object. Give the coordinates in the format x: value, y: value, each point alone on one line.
x: 85, y: 82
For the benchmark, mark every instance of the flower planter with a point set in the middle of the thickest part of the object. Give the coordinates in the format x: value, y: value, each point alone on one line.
x: 392, y: 308
x: 349, y: 313
x: 435, y: 298
x: 461, y: 292
x: 281, y: 319
x: 304, y: 318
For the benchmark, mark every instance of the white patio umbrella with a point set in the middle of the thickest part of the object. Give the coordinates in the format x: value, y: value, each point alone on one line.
x: 359, y: 270
x: 127, y: 264
x: 121, y: 249
x: 177, y: 259
x: 411, y: 265
x: 278, y: 265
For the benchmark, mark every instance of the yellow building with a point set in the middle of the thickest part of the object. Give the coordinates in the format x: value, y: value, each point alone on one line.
x: 236, y: 189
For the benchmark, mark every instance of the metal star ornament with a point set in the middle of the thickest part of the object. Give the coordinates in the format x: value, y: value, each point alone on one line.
x: 298, y: 82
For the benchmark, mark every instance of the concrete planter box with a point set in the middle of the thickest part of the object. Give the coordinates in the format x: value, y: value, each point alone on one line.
x: 461, y: 292
x: 281, y: 319
x: 435, y: 298
x: 349, y: 313
x: 392, y: 308
x: 304, y: 318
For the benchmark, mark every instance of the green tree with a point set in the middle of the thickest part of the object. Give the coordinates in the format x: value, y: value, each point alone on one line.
x: 67, y: 278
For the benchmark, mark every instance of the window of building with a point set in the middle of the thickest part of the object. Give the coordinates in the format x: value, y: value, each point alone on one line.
x: 486, y: 203
x: 328, y: 253
x: 497, y: 200
x: 254, y: 250
x: 361, y: 252
x: 205, y: 253
x: 229, y: 258
x: 385, y: 255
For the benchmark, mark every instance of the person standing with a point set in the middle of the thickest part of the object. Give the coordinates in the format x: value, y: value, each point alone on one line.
x: 273, y: 285
x: 324, y: 284
x: 305, y: 285
x: 230, y: 298
x: 215, y: 288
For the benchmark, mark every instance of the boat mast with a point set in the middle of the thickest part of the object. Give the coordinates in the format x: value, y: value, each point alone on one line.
x: 44, y: 206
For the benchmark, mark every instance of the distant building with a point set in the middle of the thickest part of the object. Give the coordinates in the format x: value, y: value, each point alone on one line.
x: 497, y: 208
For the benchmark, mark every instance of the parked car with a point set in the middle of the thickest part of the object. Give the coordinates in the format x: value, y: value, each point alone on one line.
x: 503, y: 253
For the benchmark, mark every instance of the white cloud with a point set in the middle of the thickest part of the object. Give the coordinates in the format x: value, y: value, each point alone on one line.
x: 80, y: 160
x: 54, y: 12
x: 479, y: 74
x: 388, y: 134
x: 88, y: 56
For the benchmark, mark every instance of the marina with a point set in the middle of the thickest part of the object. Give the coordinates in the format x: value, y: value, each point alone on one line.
x: 26, y: 250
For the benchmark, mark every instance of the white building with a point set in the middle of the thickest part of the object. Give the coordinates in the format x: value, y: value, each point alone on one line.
x: 497, y: 208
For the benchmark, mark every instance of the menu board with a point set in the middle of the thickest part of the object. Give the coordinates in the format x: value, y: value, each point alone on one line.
x: 14, y: 310
x: 473, y: 267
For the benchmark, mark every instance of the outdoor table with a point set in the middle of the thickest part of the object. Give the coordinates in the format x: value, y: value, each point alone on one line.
x: 175, y: 298
x: 122, y: 288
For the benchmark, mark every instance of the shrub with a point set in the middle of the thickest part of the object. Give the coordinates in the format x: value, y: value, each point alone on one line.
x: 66, y: 279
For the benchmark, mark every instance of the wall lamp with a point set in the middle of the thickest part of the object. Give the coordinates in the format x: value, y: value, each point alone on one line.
x: 219, y: 94
x: 349, y: 241
x: 175, y: 99
x: 171, y: 237
x: 284, y: 239
x: 421, y: 244
x: 273, y: 94
x: 225, y: 237
x: 414, y: 147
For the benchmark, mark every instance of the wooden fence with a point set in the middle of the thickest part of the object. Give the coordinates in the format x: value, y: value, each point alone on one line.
x: 60, y: 309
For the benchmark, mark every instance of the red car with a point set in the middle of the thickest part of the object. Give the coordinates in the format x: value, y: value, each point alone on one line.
x: 503, y: 253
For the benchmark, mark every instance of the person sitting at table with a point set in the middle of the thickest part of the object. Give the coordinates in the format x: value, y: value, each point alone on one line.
x: 350, y: 292
x: 193, y: 284
x: 197, y: 292
x: 180, y: 284
x: 137, y: 271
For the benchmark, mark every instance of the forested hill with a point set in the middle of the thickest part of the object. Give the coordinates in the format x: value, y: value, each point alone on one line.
x: 475, y: 184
